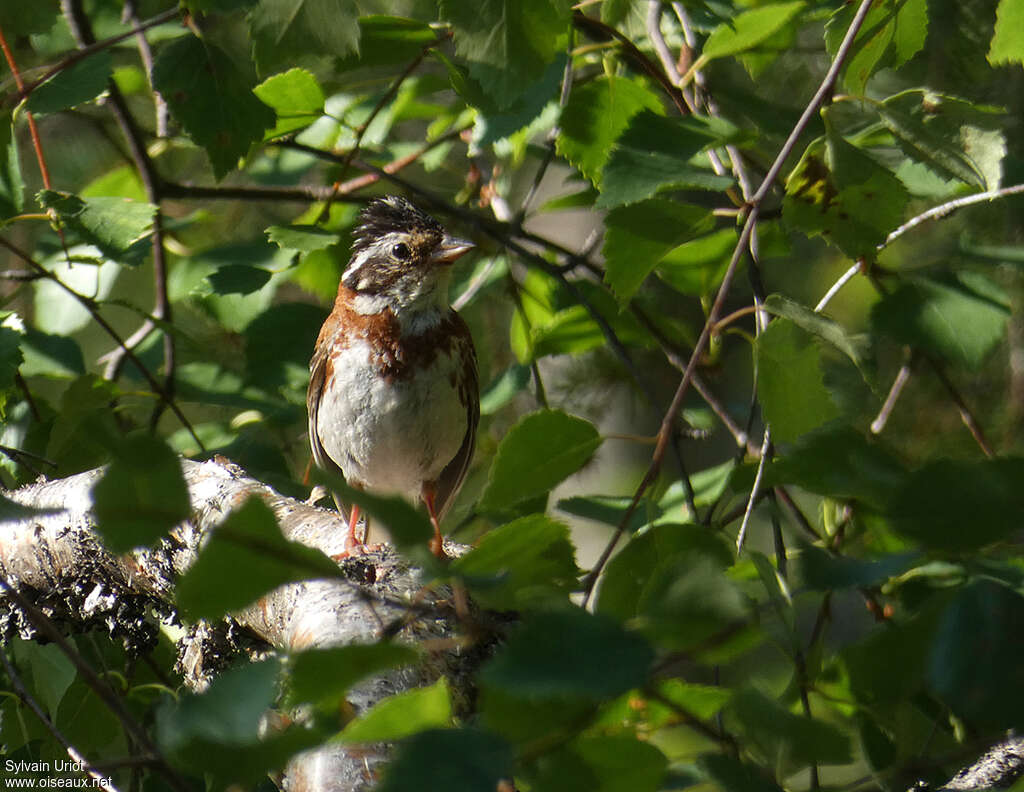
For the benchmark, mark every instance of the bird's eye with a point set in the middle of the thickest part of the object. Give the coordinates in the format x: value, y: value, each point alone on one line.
x: 401, y: 251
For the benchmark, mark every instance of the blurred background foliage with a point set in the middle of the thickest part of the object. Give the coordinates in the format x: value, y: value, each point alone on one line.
x: 177, y: 190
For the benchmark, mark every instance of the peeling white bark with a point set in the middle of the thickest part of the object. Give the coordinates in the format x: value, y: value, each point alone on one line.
x: 58, y: 560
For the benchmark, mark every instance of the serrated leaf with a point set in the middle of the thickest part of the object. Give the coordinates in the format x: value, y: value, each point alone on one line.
x: 22, y: 19
x: 601, y: 763
x: 238, y: 279
x: 52, y: 671
x: 696, y: 268
x: 507, y: 45
x: 1007, y: 44
x: 12, y: 186
x: 401, y: 715
x: 734, y: 775
x: 960, y: 318
x: 846, y: 196
x: 49, y: 355
x: 408, y: 527
x: 10, y: 356
x: 979, y: 503
x: 527, y: 561
x: 892, y: 32
x: 597, y: 113
x: 75, y: 85
x: 840, y: 462
x: 284, y: 31
x: 323, y: 676
x: 748, y: 29
x: 790, y: 383
x: 541, y: 450
x: 245, y: 557
x: 295, y: 96
x: 654, y: 154
x: 983, y: 687
x: 779, y: 735
x: 569, y: 653
x: 111, y: 224
x: 639, y: 236
x: 503, y: 388
x: 141, y: 496
x: 633, y: 568
x: 211, y: 99
x: 821, y: 326
x: 474, y: 761
x: 703, y: 701
x: 302, y: 238
x: 955, y: 137
x: 387, y: 40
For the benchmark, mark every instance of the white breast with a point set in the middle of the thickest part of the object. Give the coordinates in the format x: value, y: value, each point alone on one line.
x: 394, y: 435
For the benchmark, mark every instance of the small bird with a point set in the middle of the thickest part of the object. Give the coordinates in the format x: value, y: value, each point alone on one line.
x: 393, y: 394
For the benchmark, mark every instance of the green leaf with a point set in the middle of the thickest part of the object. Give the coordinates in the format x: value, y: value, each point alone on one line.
x: 211, y: 99
x: 49, y: 355
x: 821, y: 326
x: 218, y: 731
x: 284, y: 31
x: 735, y: 775
x: 789, y: 381
x: 702, y: 701
x: 748, y: 29
x: 632, y: 569
x: 696, y: 268
x: 324, y: 676
x: 408, y: 527
x: 388, y: 40
x: 302, y: 238
x: 278, y: 344
x: 12, y: 186
x: 847, y: 197
x: 569, y: 653
x: 686, y: 599
x: 541, y: 450
x: 955, y: 137
x: 22, y: 19
x: 598, y: 112
x: 505, y: 387
x: 602, y: 763
x: 402, y: 715
x: 974, y: 664
x: 141, y: 496
x: 527, y: 561
x: 779, y: 735
x: 639, y: 236
x: 892, y: 33
x: 52, y: 671
x: 10, y: 356
x: 1008, y: 41
x: 245, y: 558
x: 75, y: 85
x: 111, y: 224
x: 295, y: 96
x: 654, y: 154
x: 840, y: 462
x: 238, y: 279
x: 473, y: 761
x: 889, y: 665
x: 960, y: 318
x: 507, y: 45
x: 959, y: 506
x: 823, y: 572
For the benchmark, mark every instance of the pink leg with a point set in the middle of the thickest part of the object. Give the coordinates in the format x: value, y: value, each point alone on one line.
x: 437, y: 543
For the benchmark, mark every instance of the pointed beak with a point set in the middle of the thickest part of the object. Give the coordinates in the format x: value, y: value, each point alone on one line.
x: 450, y: 249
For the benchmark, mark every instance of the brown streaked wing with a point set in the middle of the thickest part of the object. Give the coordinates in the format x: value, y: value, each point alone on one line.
x: 451, y: 477
x: 318, y: 367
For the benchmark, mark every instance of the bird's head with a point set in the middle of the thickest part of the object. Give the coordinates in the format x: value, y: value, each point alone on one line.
x: 401, y: 258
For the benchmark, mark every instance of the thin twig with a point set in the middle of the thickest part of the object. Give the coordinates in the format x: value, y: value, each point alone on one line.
x: 752, y: 499
x: 948, y: 208
x: 845, y: 278
x: 902, y: 377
